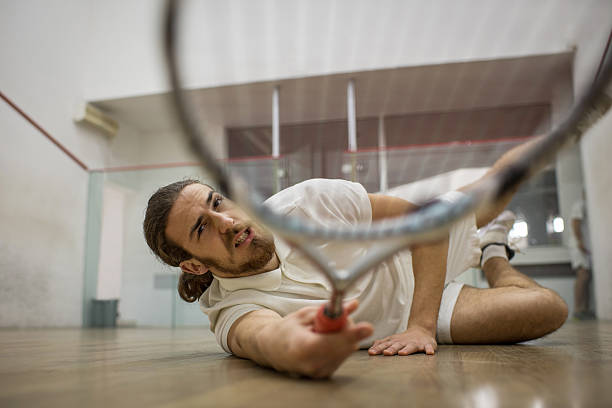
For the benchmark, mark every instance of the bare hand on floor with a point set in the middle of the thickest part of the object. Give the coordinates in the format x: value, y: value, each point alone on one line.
x: 415, y: 339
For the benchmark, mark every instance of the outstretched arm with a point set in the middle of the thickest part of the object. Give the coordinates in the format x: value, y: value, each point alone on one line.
x: 289, y: 344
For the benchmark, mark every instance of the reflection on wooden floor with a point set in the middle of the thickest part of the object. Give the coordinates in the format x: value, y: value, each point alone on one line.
x: 184, y: 367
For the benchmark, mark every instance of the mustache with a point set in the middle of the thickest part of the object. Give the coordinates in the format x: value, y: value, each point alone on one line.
x: 231, y: 234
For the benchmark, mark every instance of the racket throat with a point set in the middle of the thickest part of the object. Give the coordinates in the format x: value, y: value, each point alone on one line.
x: 334, y: 308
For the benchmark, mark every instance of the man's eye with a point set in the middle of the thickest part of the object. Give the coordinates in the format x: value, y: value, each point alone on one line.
x: 217, y: 202
x: 201, y: 229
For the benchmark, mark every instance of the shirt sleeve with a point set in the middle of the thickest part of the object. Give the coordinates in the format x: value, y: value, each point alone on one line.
x: 223, y: 310
x: 226, y: 319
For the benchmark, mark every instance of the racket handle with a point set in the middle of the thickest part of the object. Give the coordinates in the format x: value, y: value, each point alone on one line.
x: 325, y: 324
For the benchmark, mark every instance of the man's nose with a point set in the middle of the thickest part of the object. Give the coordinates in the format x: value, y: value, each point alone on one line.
x: 223, y: 222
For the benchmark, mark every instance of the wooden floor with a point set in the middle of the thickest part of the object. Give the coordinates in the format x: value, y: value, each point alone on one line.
x: 185, y: 368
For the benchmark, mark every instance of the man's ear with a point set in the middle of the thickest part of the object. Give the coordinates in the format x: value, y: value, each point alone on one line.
x: 193, y: 266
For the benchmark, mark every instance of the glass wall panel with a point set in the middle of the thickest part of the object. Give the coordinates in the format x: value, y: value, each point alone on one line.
x: 148, y: 295
x: 535, y: 204
x: 266, y: 176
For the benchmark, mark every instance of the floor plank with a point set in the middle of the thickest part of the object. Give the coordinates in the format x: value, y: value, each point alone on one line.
x: 185, y: 368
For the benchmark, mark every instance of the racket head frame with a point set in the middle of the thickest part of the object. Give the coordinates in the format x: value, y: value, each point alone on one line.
x: 429, y: 222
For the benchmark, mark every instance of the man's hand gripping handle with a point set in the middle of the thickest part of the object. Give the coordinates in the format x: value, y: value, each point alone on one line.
x: 324, y: 323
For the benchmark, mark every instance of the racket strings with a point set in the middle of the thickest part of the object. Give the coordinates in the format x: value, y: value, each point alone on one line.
x: 441, y: 99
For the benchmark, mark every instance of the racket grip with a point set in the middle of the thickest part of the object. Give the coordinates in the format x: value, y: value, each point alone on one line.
x: 325, y: 324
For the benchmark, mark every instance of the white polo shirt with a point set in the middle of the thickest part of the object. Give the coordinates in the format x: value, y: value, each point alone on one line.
x: 385, y: 293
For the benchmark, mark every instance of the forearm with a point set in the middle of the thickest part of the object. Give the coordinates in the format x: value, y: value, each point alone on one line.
x: 249, y: 336
x: 389, y: 207
x: 428, y: 264
x: 429, y: 267
x: 289, y: 344
x: 486, y: 214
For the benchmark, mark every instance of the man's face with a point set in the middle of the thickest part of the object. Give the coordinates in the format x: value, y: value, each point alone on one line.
x: 219, y: 235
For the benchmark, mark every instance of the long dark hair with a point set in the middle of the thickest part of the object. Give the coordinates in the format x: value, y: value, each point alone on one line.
x: 190, y: 286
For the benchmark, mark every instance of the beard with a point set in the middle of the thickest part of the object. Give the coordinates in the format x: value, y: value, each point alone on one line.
x: 262, y: 250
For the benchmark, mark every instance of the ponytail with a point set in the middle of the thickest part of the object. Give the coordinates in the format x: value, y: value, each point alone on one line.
x: 191, y: 287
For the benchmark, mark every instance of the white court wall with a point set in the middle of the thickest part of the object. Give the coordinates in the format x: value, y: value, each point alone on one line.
x: 45, y: 51
x: 43, y: 196
x: 42, y: 229
x: 43, y: 192
x: 168, y: 146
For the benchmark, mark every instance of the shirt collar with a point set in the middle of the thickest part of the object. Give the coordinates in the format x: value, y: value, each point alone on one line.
x: 267, y: 281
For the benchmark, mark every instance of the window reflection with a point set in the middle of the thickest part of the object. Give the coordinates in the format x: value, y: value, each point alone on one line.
x: 537, y: 208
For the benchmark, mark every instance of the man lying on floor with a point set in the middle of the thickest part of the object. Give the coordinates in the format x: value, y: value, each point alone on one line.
x: 261, y: 296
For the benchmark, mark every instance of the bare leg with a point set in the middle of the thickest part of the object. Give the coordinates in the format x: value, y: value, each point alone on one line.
x: 581, y: 290
x: 485, y: 214
x: 514, y: 309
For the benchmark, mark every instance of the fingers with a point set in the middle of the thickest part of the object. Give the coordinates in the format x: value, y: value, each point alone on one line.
x: 323, y: 323
x: 307, y: 314
x: 390, y: 347
x: 427, y: 348
x: 351, y: 332
x: 378, y: 347
x: 430, y: 350
x: 351, y: 306
x: 360, y: 331
x: 410, y: 349
x: 348, y: 332
x: 393, y: 349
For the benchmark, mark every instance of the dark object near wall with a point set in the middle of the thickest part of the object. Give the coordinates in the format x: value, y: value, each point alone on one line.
x: 104, y: 313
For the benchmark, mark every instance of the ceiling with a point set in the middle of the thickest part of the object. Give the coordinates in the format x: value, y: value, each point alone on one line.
x: 435, y: 88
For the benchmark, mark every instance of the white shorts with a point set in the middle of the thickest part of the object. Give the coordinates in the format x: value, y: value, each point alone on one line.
x: 463, y: 253
x: 579, y: 259
x: 447, y: 305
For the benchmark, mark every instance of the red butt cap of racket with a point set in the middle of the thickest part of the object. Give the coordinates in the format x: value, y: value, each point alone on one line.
x: 325, y: 324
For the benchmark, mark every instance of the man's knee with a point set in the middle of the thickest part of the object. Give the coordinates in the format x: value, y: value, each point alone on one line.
x: 553, y: 309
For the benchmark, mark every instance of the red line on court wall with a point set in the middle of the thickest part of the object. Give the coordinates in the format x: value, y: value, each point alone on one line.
x: 248, y: 158
x: 44, y: 132
x: 440, y: 144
